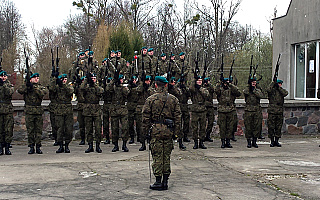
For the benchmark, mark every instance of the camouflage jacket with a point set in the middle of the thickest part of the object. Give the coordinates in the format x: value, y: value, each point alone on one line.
x: 226, y: 97
x: 64, y: 97
x: 175, y: 69
x: 92, y: 95
x: 119, y: 94
x: 154, y: 61
x: 186, y: 70
x: 146, y: 61
x: 143, y: 91
x: 6, y: 91
x: 175, y: 91
x: 52, y: 97
x: 210, y: 88
x: 133, y: 97
x: 276, y: 98
x: 252, y: 98
x: 198, y: 98
x: 163, y: 67
x: 153, y: 118
x: 185, y: 94
x: 33, y: 98
x: 80, y: 96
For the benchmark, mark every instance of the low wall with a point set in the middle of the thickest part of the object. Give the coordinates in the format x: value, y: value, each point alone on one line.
x: 300, y: 117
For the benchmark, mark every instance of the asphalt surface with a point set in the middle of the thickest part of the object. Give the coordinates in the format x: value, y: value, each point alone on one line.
x: 289, y: 172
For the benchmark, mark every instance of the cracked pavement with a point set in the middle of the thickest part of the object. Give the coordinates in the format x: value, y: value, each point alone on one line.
x: 289, y: 172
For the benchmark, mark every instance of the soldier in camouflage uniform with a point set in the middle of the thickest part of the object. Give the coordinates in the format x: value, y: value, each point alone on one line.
x: 64, y: 111
x: 252, y: 122
x: 52, y: 106
x: 132, y: 103
x: 33, y: 93
x: 226, y: 94
x: 184, y: 66
x: 163, y: 65
x: 276, y: 96
x: 118, y: 112
x: 199, y: 94
x: 144, y: 61
x: 106, y: 112
x: 6, y: 113
x: 175, y: 70
x: 122, y: 65
x: 176, y: 91
x: 210, y: 109
x: 154, y: 61
x: 80, y: 105
x: 92, y: 111
x: 161, y: 113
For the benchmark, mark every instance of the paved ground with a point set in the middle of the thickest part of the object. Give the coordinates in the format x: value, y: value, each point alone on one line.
x: 289, y: 172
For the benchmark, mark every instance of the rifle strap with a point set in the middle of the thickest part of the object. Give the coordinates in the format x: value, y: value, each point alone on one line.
x: 164, y: 105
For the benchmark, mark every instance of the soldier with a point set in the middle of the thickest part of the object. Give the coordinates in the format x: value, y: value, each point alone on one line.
x: 210, y: 109
x: 52, y: 106
x: 174, y: 68
x: 182, y: 63
x: 64, y: 111
x: 226, y: 94
x: 106, y: 112
x: 144, y: 62
x: 276, y: 96
x: 80, y: 106
x: 122, y: 65
x: 199, y: 94
x: 118, y: 112
x: 91, y: 111
x: 163, y: 65
x: 132, y: 103
x: 161, y: 114
x: 154, y: 61
x: 252, y: 122
x: 175, y: 91
x: 6, y: 113
x: 33, y: 93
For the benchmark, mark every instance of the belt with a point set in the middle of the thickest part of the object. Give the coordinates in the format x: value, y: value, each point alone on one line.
x: 64, y: 102
x: 33, y: 104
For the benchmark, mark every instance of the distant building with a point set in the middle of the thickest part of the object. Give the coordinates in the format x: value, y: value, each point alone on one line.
x: 296, y: 36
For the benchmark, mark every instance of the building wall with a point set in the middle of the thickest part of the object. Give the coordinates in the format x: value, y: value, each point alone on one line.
x: 300, y: 24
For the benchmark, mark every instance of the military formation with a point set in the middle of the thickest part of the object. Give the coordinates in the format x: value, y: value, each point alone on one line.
x: 149, y: 100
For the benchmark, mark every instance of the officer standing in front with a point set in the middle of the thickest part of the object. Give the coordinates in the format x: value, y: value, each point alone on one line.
x: 162, y: 115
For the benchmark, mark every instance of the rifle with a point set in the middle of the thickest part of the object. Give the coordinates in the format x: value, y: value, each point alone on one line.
x: 250, y: 73
x: 196, y: 71
x: 169, y: 70
x: 230, y: 74
x: 136, y: 62
x: 1, y: 65
x: 205, y: 67
x: 57, y: 63
x: 27, y: 68
x: 142, y: 67
x: 276, y: 72
x: 157, y: 67
x: 221, y: 69
x: 182, y: 73
x: 90, y: 60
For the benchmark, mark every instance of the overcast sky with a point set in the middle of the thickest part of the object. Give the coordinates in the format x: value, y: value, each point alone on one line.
x: 43, y: 13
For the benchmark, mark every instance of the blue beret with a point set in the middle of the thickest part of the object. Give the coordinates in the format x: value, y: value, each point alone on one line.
x: 226, y: 79
x: 112, y: 51
x: 91, y: 53
x: 182, y: 53
x: 35, y: 75
x: 110, y: 78
x: 83, y: 78
x: 148, y: 77
x: 93, y: 75
x: 163, y: 55
x: 279, y: 81
x: 253, y: 79
x: 143, y: 48
x: 63, y: 76
x: 87, y: 50
x: 134, y: 77
x: 118, y: 51
x: 151, y: 49
x: 207, y: 79
x: 121, y: 76
x: 161, y: 79
x: 198, y: 77
x: 81, y: 53
x: 172, y: 55
x: 3, y: 73
x: 173, y: 78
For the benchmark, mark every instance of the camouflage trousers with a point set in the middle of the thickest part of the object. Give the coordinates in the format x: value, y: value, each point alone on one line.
x: 161, y: 151
x: 116, y: 121
x: 275, y: 122
x: 210, y: 119
x: 34, y: 124
x: 65, y: 127
x: 106, y: 119
x: 132, y: 116
x: 90, y: 122
x: 185, y: 121
x: 198, y: 125
x: 226, y: 122
x: 6, y: 128
x: 81, y: 121
x: 252, y: 124
x: 53, y: 125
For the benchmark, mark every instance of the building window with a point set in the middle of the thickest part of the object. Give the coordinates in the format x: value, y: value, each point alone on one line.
x: 307, y: 70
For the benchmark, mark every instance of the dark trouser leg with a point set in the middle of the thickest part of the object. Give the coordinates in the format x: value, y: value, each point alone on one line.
x: 106, y: 131
x: 81, y: 127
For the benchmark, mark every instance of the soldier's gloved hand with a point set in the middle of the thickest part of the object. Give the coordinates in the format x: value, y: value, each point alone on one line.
x: 59, y: 82
x: 29, y: 85
x: 197, y: 86
x: 78, y: 81
x: 1, y: 82
x: 170, y: 87
x: 251, y: 88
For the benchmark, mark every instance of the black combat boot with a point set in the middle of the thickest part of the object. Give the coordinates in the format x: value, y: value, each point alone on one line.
x: 276, y: 142
x: 82, y: 142
x: 131, y: 139
x: 223, y: 143
x: 181, y: 146
x: 196, y: 146
x: 157, y: 185
x: 98, y: 149
x: 56, y: 143
x: 1, y: 149
x: 124, y: 146
x: 143, y: 146
x: 7, y: 150
x: 261, y: 137
x: 272, y: 142
x: 31, y: 151
x: 116, y: 147
x: 90, y: 148
x: 165, y: 181
x: 61, y: 149
x: 107, y: 139
x: 228, y: 145
x: 233, y: 138
x: 38, y: 150
x: 201, y: 145
x: 186, y: 139
x: 66, y: 148
x: 208, y: 138
x: 249, y: 143
x: 254, y: 142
